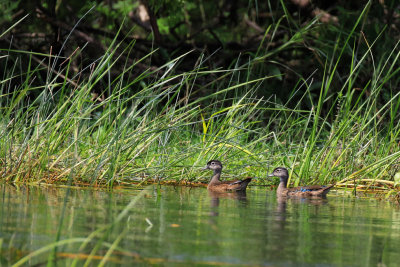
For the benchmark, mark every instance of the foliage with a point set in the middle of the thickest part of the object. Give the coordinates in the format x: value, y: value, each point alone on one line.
x: 160, y: 113
x: 284, y: 37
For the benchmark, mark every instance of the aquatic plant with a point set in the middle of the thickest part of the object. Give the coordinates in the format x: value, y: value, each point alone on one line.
x: 94, y: 126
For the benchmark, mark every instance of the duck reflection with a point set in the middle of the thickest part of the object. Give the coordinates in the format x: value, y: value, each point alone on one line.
x: 284, y: 221
x: 295, y: 202
x: 215, y: 197
x: 280, y: 214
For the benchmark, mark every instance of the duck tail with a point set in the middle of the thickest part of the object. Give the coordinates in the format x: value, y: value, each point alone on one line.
x: 242, y: 184
x: 245, y: 182
x: 324, y: 190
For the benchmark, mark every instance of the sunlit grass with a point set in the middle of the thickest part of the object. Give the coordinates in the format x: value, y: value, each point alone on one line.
x: 163, y: 124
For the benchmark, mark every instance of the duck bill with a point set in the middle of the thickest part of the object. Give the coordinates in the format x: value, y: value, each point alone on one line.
x: 271, y: 175
x: 205, y: 168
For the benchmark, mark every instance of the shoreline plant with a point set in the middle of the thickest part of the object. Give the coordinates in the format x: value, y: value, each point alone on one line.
x: 162, y: 124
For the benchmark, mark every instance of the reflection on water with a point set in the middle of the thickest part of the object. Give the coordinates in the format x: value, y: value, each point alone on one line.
x: 215, y: 198
x: 191, y: 226
x: 280, y: 215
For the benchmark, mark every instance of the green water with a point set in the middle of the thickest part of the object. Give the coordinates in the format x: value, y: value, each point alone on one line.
x: 183, y: 226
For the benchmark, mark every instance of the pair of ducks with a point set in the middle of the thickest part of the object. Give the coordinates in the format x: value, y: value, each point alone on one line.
x: 240, y: 185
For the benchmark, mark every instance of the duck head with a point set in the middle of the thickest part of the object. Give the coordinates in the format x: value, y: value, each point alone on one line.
x: 280, y: 172
x: 214, y: 165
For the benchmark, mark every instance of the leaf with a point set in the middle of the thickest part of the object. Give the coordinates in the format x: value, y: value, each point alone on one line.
x: 397, y: 179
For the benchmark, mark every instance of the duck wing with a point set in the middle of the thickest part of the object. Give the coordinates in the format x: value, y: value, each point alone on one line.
x: 310, y: 188
x: 239, y: 185
x: 313, y: 190
x: 237, y: 181
x: 223, y: 186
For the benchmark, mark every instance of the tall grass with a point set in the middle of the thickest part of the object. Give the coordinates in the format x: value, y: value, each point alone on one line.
x: 164, y: 124
x: 145, y: 126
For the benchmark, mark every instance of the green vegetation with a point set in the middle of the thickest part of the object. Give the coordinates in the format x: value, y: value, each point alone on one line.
x: 58, y: 124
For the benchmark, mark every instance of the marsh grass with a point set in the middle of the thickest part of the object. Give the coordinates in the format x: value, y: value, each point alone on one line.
x: 163, y: 124
x: 144, y: 127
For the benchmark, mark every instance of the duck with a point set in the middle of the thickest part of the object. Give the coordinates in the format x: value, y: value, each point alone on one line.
x: 300, y: 191
x: 224, y: 186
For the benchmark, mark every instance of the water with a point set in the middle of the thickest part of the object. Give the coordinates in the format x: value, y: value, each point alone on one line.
x: 183, y: 226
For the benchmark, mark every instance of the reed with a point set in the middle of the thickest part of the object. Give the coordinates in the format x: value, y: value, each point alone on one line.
x: 162, y: 124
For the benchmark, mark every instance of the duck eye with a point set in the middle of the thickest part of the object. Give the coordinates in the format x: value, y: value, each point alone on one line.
x: 212, y: 163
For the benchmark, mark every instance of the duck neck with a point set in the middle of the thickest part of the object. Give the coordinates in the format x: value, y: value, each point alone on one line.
x: 216, y: 176
x: 283, y: 184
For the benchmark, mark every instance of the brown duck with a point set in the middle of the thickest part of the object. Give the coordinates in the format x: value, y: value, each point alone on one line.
x: 300, y: 191
x: 223, y: 186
